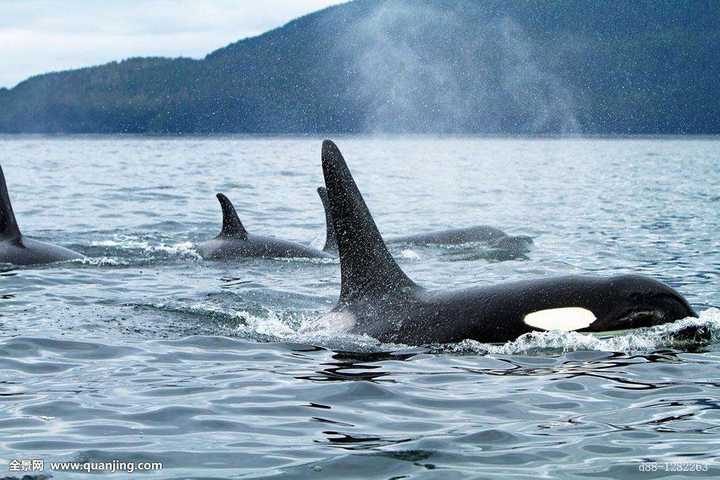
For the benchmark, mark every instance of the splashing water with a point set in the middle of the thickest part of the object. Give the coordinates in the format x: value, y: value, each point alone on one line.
x: 688, y: 332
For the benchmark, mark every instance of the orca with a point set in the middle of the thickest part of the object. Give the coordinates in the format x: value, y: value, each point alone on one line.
x: 17, y: 249
x: 493, y: 237
x: 378, y: 299
x: 235, y: 242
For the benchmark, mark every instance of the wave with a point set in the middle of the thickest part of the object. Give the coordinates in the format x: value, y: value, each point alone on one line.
x: 685, y: 334
x: 124, y: 243
x: 331, y: 331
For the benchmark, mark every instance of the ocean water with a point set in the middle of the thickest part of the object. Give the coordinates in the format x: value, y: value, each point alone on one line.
x: 147, y: 353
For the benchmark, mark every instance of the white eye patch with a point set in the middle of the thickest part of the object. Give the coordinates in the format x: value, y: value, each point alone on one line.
x: 566, y: 319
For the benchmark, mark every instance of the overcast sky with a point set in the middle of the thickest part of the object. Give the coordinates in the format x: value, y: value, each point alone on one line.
x: 38, y: 36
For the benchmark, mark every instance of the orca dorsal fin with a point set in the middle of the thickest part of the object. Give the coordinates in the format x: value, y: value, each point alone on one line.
x: 232, y: 227
x: 366, y: 267
x: 330, y: 240
x: 9, y: 229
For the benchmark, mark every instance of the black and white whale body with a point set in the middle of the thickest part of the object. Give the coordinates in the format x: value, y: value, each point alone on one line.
x: 493, y: 237
x: 235, y: 242
x: 17, y: 249
x: 378, y: 299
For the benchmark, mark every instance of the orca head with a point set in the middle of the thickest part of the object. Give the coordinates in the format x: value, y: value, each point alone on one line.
x: 636, y: 301
x: 605, y: 304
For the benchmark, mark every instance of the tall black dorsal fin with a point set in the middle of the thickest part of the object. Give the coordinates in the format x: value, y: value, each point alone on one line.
x: 232, y: 227
x: 366, y: 267
x: 9, y: 229
x: 330, y: 240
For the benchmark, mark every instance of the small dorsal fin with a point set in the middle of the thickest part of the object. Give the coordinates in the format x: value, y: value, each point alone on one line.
x: 330, y: 240
x: 366, y: 267
x: 232, y: 227
x: 9, y: 229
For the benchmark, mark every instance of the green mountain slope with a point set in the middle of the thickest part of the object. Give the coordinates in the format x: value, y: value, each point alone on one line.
x: 490, y: 66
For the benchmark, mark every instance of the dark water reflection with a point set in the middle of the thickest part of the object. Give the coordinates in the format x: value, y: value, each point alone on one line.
x: 230, y: 406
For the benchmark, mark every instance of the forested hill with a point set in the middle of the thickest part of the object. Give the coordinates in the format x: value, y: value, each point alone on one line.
x: 464, y: 66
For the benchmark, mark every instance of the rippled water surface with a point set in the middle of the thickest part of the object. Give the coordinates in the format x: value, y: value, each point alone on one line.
x: 147, y: 353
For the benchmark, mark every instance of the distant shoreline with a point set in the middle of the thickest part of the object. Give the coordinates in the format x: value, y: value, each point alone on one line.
x: 368, y: 136
x: 507, y: 68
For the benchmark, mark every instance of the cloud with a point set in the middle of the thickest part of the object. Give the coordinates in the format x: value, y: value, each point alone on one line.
x: 38, y: 36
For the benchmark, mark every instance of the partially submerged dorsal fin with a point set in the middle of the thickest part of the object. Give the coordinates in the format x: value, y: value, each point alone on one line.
x: 9, y: 229
x: 232, y: 227
x: 366, y: 266
x: 330, y: 240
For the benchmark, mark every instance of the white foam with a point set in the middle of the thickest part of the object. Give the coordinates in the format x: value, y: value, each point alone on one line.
x: 640, y: 340
x: 182, y: 248
x: 409, y: 254
x: 97, y: 261
x: 328, y: 324
x: 269, y: 324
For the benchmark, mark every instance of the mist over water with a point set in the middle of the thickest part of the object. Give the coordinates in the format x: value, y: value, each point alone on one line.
x: 417, y: 69
x: 145, y: 352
